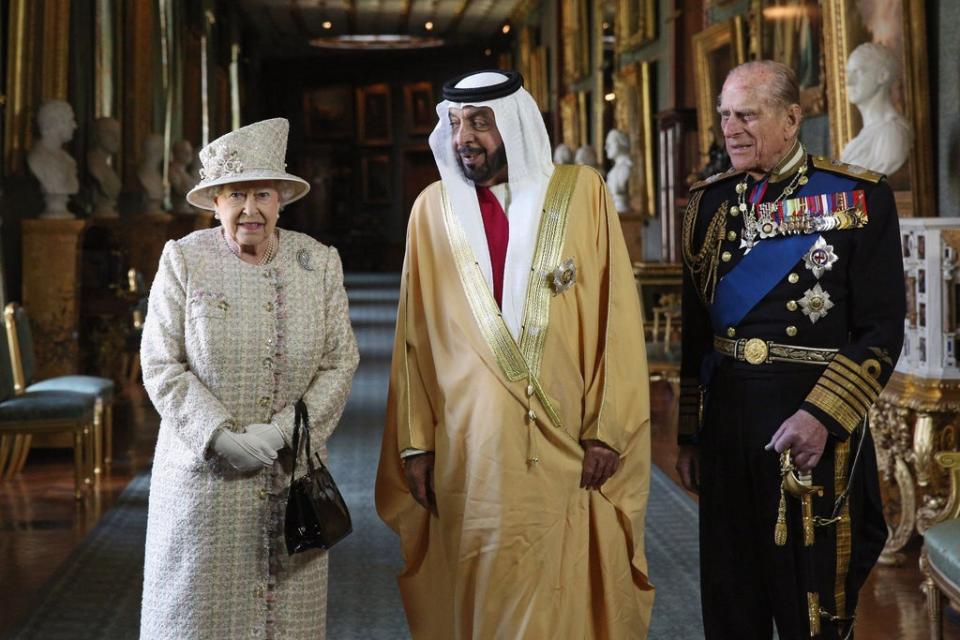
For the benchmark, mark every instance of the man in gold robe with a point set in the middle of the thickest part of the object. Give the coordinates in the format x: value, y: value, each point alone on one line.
x: 516, y: 454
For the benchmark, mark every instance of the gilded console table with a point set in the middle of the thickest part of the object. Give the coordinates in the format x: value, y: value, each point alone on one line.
x: 913, y: 419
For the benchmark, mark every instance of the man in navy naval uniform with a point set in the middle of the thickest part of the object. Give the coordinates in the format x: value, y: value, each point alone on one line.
x: 793, y: 311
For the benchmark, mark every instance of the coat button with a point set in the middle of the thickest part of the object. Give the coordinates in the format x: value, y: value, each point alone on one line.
x: 726, y: 256
x: 731, y: 332
x: 731, y: 235
x: 269, y: 307
x: 791, y: 305
x: 529, y: 390
x: 263, y: 494
x: 734, y: 211
x: 791, y: 331
x: 793, y: 278
x: 532, y: 414
x: 264, y: 401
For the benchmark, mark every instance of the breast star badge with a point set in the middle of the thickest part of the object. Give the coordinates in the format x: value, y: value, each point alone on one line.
x: 815, y: 303
x: 820, y: 258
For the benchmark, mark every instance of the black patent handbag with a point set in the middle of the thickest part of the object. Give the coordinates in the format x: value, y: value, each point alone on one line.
x: 317, y: 516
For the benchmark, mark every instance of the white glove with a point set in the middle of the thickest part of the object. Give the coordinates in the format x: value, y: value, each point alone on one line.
x: 269, y: 434
x: 243, y: 451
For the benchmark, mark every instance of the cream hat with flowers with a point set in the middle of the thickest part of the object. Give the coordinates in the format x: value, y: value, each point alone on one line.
x: 254, y: 152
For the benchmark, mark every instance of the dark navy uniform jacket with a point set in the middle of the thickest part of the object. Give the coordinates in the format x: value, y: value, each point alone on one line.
x: 864, y: 284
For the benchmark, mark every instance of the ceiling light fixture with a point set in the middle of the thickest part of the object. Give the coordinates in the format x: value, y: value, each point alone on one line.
x: 375, y: 41
x: 488, y: 52
x: 428, y: 25
x: 506, y: 29
x: 327, y: 24
x: 610, y: 97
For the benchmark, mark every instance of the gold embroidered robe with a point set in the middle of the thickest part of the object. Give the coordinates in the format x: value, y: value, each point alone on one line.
x: 518, y: 549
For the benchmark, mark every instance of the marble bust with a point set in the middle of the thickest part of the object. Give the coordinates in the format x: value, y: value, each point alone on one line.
x: 150, y: 175
x: 107, y: 184
x: 617, y: 148
x: 585, y: 155
x: 55, y: 168
x: 884, y: 142
x: 562, y: 154
x: 181, y: 180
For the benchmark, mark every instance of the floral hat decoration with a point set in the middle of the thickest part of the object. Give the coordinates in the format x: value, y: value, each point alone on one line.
x: 255, y: 152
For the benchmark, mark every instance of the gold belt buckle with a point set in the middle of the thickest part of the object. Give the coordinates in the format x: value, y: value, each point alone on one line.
x: 755, y: 351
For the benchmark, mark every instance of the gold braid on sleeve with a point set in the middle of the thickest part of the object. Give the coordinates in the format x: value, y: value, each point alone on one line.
x: 703, y: 263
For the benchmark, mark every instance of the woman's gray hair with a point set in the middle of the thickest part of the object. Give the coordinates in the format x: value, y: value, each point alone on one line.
x: 781, y: 80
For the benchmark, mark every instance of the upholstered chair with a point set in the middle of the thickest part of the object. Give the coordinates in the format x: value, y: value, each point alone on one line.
x: 24, y: 414
x: 100, y: 389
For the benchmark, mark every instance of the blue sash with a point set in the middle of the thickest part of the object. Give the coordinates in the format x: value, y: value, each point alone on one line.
x: 768, y: 262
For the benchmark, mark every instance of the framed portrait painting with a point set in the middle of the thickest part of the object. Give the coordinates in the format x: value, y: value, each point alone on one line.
x: 716, y: 50
x: 328, y: 112
x: 376, y: 178
x: 419, y: 108
x: 374, y: 115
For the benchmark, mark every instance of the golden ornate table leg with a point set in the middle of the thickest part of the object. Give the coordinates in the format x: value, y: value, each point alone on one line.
x: 900, y: 534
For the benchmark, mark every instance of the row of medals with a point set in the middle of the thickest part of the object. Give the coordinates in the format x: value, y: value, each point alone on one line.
x: 759, y: 221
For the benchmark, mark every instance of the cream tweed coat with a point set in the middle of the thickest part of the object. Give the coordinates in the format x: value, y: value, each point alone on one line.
x: 230, y: 344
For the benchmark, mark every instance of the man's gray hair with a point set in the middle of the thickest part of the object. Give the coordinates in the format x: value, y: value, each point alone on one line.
x: 784, y: 89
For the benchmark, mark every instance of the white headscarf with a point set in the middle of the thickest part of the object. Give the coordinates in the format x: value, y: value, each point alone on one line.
x: 529, y: 167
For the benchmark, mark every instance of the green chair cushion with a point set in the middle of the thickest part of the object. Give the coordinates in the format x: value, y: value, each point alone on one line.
x: 942, y: 542
x: 45, y: 405
x: 90, y: 385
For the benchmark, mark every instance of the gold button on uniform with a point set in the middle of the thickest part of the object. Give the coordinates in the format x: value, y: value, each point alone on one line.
x: 731, y: 332
x: 725, y: 256
x: 791, y: 331
x: 793, y: 278
x: 734, y: 211
x: 731, y: 235
x: 792, y: 305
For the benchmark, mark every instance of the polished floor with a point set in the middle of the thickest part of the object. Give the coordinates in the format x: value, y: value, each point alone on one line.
x: 41, y: 525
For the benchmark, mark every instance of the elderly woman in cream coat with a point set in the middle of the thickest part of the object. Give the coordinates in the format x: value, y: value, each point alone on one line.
x: 244, y: 320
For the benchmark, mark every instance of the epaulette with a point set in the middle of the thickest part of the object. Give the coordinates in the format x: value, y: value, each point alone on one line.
x: 715, y: 178
x: 850, y: 170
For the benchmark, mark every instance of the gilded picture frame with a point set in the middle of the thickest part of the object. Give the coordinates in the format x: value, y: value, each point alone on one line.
x: 844, y: 30
x: 418, y: 107
x: 570, y: 120
x: 634, y: 116
x: 576, y: 40
x: 636, y: 24
x: 716, y: 50
x: 791, y: 32
x: 376, y: 179
x: 374, y: 119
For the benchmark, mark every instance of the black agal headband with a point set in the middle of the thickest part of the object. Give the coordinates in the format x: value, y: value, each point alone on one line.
x: 481, y: 94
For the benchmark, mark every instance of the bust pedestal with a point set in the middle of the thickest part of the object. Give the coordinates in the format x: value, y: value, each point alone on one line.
x: 51, y: 292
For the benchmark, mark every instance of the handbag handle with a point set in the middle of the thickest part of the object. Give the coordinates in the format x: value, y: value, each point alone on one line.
x: 301, y: 423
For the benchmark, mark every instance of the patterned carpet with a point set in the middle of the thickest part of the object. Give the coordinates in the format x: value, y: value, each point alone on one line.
x: 96, y: 594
